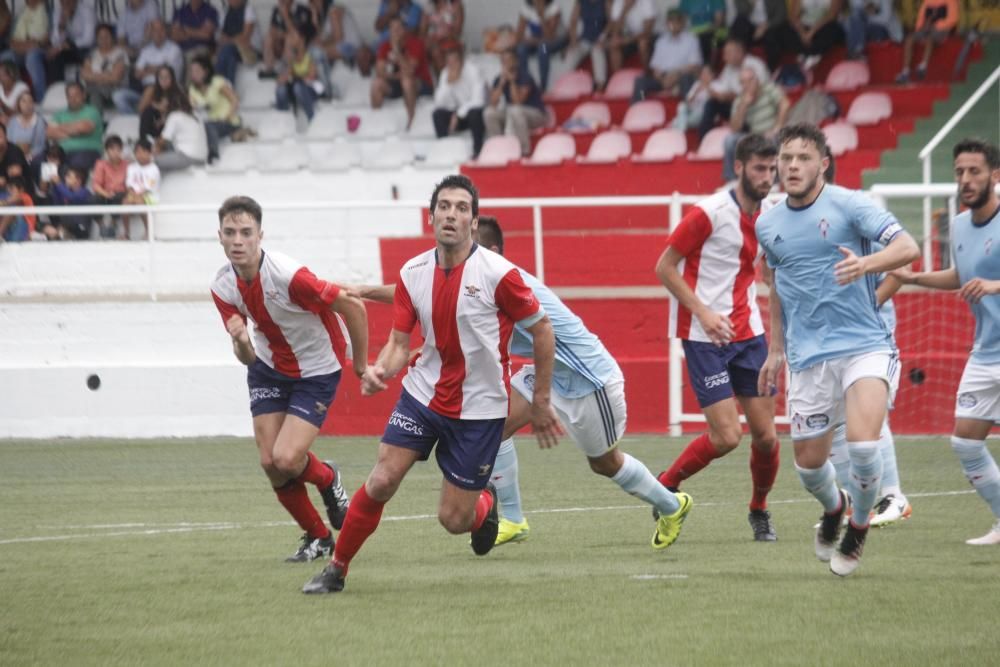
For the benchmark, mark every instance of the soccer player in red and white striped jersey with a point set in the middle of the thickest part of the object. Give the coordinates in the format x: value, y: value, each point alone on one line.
x: 294, y: 359
x: 467, y: 300
x: 709, y: 269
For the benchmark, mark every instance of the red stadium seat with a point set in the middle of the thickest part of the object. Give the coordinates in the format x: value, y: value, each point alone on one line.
x: 869, y: 108
x: 841, y: 137
x: 608, y: 147
x: 663, y: 146
x: 622, y: 83
x: 553, y: 149
x: 848, y: 75
x: 498, y: 151
x: 644, y: 116
x: 712, y: 145
x: 572, y: 85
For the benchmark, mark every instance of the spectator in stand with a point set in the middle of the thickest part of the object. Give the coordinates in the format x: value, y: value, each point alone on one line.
x: 586, y: 35
x: 74, y: 24
x: 299, y: 85
x: 215, y: 102
x: 72, y: 192
x: 237, y: 39
x: 675, y: 63
x: 459, y: 99
x: 540, y: 31
x: 17, y: 228
x: 515, y: 104
x: 26, y: 129
x: 50, y: 172
x: 108, y: 182
x: 707, y: 22
x: 812, y: 29
x: 105, y: 70
x: 630, y: 32
x: 12, y: 160
x: 410, y: 12
x: 142, y: 183
x: 440, y: 28
x: 135, y: 25
x: 160, y: 52
x: 761, y: 22
x: 78, y: 129
x: 341, y: 38
x: 761, y: 108
x: 287, y: 15
x: 193, y: 28
x: 935, y: 21
x: 691, y: 110
x: 401, y: 70
x: 870, y: 21
x: 182, y: 142
x: 11, y: 89
x: 158, y: 101
x: 5, y: 21
x: 724, y: 89
x: 29, y: 42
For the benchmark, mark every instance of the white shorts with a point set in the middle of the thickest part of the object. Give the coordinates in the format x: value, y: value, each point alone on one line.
x: 816, y: 394
x: 595, y: 422
x: 979, y: 393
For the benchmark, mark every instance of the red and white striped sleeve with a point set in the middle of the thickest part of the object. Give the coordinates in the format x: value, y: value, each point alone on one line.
x: 516, y: 300
x: 692, y: 232
x: 310, y: 293
x: 404, y: 316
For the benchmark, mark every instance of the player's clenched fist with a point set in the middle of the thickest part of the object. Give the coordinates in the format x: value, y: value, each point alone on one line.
x: 373, y: 380
x: 237, y: 328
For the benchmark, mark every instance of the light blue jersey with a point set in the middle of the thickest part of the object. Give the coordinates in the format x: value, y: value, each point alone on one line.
x: 582, y: 364
x: 821, y: 319
x: 975, y: 251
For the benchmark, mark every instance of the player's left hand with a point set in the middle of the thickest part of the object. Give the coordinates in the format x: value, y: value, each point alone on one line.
x: 372, y: 381
x: 850, y: 268
x: 977, y: 288
x: 545, y: 424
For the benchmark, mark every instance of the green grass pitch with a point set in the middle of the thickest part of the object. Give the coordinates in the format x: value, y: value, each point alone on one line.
x: 170, y: 552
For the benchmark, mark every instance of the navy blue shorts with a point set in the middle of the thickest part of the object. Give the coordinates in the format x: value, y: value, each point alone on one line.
x: 308, y: 398
x: 717, y: 373
x: 466, y: 448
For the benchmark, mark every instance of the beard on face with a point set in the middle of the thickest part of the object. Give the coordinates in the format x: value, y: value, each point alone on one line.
x: 749, y: 190
x: 980, y: 197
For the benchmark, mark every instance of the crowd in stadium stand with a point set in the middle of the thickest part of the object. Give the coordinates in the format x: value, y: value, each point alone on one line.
x: 179, y: 78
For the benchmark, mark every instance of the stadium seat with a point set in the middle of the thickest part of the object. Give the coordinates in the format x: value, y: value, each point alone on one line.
x: 287, y: 156
x: 848, y: 75
x: 553, y: 149
x: 423, y: 121
x: 841, y: 137
x: 608, y: 147
x: 328, y: 123
x: 234, y: 159
x: 125, y: 126
x: 663, y: 146
x: 488, y: 65
x: 621, y: 84
x: 498, y: 151
x: 336, y: 156
x: 272, y: 125
x: 448, y: 152
x: 392, y: 154
x: 55, y: 98
x: 644, y: 116
x: 590, y: 116
x: 258, y: 94
x: 712, y: 145
x: 379, y: 123
x: 869, y: 109
x: 572, y: 85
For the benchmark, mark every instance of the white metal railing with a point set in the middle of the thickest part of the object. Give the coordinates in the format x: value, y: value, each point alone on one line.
x: 925, y: 153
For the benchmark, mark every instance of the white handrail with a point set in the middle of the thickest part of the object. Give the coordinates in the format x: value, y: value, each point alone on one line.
x: 959, y: 115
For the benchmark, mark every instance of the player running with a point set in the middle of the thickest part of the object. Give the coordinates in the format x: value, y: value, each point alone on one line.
x: 844, y: 364
x: 294, y: 359
x: 709, y: 269
x: 467, y: 301
x: 975, y: 271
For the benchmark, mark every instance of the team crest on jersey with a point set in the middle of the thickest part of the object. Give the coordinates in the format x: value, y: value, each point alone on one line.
x: 529, y: 381
x: 824, y: 227
x: 272, y: 294
x: 472, y: 290
x: 967, y: 400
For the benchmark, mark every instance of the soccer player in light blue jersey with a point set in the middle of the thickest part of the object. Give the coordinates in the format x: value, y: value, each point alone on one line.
x: 824, y: 319
x: 975, y: 272
x: 588, y: 396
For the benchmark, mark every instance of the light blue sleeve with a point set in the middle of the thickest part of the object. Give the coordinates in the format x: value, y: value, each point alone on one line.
x: 870, y: 221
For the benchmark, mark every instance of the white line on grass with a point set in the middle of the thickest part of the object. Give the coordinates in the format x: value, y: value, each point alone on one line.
x: 145, y: 529
x: 649, y: 577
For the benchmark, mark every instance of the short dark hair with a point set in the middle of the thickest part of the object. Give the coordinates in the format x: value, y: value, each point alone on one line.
x: 17, y: 182
x: 241, y: 204
x: 105, y: 26
x: 755, y: 144
x: 456, y: 181
x: 80, y: 173
x: 144, y: 144
x: 806, y: 132
x: 113, y: 140
x: 75, y: 84
x: 205, y: 63
x: 976, y: 145
x: 490, y: 233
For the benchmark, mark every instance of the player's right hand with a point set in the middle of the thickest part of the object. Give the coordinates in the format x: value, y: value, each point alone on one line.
x: 545, y: 424
x: 237, y: 328
x: 372, y: 381
x: 718, y: 327
x: 904, y: 275
x: 767, y: 381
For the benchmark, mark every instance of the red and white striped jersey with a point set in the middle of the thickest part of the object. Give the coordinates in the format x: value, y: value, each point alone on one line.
x: 466, y: 315
x: 294, y: 330
x: 720, y: 250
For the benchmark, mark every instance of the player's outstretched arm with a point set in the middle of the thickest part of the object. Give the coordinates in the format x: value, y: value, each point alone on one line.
x: 900, y: 251
x: 767, y: 380
x: 543, y: 418
x: 943, y: 280
x: 718, y: 327
x: 352, y: 309
x: 889, y: 286
x: 242, y: 347
x: 377, y: 293
x: 393, y: 357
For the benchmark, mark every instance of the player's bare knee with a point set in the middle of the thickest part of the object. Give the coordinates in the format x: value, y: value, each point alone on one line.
x: 381, y: 484
x: 765, y: 442
x: 287, y: 463
x: 727, y: 438
x: 607, y: 465
x: 454, y: 520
